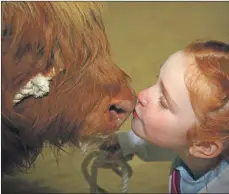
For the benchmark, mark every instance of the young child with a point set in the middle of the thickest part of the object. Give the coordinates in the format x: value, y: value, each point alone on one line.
x: 187, y: 111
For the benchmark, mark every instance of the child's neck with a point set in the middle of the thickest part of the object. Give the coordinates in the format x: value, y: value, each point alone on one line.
x: 199, y: 166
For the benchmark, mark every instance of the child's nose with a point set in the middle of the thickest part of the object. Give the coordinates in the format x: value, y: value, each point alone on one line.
x: 142, y: 98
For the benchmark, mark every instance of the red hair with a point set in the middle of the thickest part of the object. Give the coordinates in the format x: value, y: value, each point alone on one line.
x: 207, y: 80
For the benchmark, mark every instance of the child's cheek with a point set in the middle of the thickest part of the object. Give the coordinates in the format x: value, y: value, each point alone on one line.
x: 160, y: 121
x: 157, y: 121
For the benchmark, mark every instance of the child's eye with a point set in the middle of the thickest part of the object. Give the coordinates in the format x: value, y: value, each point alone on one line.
x: 163, y: 103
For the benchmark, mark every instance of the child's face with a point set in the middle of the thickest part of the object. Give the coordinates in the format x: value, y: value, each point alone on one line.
x: 165, y: 117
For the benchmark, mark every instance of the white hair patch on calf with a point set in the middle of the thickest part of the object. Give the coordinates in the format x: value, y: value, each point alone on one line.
x: 37, y: 87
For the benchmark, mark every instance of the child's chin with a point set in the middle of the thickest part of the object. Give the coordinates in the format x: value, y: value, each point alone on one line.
x: 137, y: 128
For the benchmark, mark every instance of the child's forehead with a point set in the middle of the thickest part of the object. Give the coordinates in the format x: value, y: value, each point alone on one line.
x: 172, y: 74
x: 174, y: 61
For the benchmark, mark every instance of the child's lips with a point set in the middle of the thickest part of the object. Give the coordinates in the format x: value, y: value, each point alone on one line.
x: 135, y: 114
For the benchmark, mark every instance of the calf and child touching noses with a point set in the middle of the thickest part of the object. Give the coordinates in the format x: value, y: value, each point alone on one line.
x: 61, y: 86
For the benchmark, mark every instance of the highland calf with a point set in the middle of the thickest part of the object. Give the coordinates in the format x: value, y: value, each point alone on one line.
x: 59, y: 83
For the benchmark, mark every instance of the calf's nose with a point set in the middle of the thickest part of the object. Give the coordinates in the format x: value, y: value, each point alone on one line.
x: 121, y: 109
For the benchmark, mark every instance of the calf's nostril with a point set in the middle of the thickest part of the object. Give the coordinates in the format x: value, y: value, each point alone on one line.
x: 122, y: 107
x: 117, y: 110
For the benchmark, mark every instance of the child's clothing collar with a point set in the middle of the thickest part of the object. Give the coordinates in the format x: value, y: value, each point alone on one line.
x: 189, y: 185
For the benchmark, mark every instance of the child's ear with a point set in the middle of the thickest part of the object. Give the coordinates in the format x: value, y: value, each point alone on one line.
x: 206, y: 149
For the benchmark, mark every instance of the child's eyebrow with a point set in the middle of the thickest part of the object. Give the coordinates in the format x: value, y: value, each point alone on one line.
x: 172, y: 104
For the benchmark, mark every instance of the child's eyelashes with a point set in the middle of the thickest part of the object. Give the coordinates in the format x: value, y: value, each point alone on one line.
x: 163, y: 103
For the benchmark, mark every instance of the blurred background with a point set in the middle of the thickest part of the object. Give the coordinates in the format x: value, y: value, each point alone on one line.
x: 142, y: 36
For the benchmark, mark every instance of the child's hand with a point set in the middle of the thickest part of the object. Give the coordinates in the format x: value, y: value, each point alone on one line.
x: 112, y: 146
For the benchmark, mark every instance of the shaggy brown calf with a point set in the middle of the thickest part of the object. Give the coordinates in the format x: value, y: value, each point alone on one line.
x: 59, y: 83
